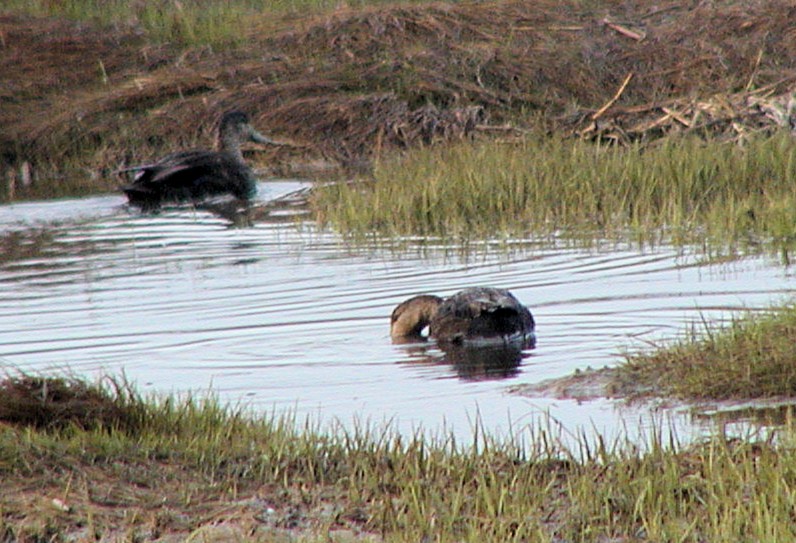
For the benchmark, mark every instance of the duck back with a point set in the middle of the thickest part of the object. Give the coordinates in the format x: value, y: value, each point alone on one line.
x: 481, y: 314
x: 191, y: 175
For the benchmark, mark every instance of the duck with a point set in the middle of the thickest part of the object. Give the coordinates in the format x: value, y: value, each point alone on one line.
x: 199, y: 174
x: 473, y: 316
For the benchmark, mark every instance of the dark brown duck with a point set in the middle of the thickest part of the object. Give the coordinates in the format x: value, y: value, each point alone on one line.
x: 478, y: 315
x: 199, y: 174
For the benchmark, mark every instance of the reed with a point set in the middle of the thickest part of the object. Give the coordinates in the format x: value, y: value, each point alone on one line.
x: 751, y: 357
x: 188, y: 463
x: 683, y: 190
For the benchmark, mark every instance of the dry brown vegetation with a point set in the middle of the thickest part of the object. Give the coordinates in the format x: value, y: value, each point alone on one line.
x: 59, y: 402
x: 346, y: 86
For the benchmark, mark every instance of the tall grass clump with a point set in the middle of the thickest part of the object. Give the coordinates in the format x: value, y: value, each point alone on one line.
x: 683, y: 190
x: 752, y: 357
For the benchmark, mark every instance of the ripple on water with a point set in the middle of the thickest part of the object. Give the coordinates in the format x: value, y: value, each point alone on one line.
x: 282, y: 316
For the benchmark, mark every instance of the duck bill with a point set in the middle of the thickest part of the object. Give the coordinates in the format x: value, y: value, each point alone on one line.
x: 259, y: 138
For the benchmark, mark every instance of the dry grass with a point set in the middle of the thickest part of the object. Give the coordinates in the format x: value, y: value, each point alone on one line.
x: 49, y: 403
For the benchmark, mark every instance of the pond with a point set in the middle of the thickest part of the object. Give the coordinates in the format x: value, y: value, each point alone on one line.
x: 285, y: 316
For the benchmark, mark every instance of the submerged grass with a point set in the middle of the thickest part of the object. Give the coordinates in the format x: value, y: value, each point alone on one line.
x: 753, y: 357
x: 192, y: 468
x: 684, y: 189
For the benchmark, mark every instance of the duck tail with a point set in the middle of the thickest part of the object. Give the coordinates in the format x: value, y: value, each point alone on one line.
x: 141, y: 197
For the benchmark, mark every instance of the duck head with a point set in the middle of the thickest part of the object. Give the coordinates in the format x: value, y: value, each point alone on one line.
x: 235, y: 128
x: 410, y: 317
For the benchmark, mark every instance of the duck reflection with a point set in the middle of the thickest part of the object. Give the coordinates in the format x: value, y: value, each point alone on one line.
x: 285, y: 209
x: 471, y: 363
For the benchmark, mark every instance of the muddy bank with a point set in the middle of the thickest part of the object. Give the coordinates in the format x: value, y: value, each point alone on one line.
x: 584, y: 385
x: 614, y: 383
x: 348, y: 86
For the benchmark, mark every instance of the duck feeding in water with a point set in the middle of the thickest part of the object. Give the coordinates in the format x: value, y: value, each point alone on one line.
x: 199, y: 174
x: 474, y: 316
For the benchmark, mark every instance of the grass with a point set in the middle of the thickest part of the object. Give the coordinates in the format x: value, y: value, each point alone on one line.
x: 135, y: 80
x: 122, y: 466
x: 752, y: 357
x: 187, y: 22
x: 684, y: 190
x: 191, y: 468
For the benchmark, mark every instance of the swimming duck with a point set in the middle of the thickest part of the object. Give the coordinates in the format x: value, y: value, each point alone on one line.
x: 198, y: 174
x: 478, y: 315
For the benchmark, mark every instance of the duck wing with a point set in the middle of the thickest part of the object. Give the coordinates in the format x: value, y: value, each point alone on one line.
x: 193, y: 175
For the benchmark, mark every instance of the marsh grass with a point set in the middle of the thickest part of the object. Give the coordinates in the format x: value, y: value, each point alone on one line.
x: 752, y: 357
x: 682, y: 190
x: 188, y: 463
x: 129, y: 81
x: 186, y: 22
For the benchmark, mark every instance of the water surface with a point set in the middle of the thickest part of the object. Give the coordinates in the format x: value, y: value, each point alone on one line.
x: 283, y: 315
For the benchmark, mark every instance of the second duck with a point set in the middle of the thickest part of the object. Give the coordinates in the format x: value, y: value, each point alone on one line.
x: 199, y: 174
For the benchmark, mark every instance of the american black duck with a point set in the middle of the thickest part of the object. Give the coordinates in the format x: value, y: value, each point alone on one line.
x: 199, y: 174
x: 479, y: 315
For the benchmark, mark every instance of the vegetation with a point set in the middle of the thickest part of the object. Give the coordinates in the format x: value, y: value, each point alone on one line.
x: 751, y: 358
x: 82, y: 461
x: 188, y: 23
x: 685, y: 190
x: 348, y: 85
x: 190, y: 468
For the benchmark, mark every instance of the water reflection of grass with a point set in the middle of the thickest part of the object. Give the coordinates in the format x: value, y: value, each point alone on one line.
x: 189, y: 468
x: 684, y: 190
x: 751, y: 358
x: 27, y: 243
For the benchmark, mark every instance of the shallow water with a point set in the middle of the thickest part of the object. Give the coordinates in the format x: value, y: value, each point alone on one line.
x: 284, y: 316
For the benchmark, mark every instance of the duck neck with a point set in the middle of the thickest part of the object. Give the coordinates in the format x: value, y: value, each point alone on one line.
x: 229, y: 142
x: 411, y: 317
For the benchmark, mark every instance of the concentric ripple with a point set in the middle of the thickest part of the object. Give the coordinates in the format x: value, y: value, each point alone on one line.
x: 283, y: 315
